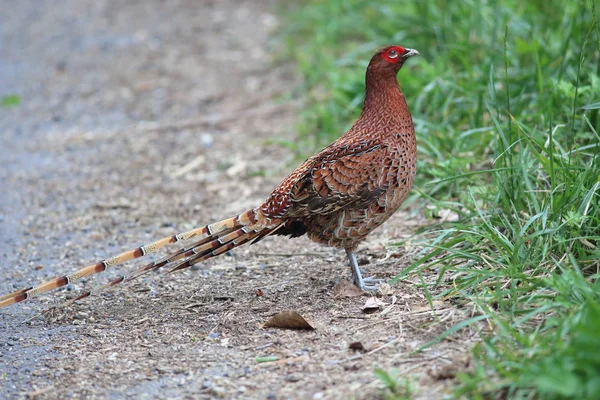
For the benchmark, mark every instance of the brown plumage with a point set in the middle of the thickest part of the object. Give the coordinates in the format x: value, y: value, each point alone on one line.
x: 336, y: 197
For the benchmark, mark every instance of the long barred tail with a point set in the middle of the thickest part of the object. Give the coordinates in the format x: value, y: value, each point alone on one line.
x: 211, y: 246
x: 222, y: 236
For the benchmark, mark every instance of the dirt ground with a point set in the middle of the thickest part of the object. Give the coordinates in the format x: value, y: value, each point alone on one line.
x: 140, y: 119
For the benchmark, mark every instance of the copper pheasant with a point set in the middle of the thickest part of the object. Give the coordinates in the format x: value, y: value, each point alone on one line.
x: 336, y: 197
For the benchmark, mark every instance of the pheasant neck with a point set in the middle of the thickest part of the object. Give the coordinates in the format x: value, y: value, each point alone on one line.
x: 383, y: 95
x: 385, y: 112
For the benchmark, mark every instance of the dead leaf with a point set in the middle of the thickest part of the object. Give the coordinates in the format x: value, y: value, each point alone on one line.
x: 363, y: 261
x: 385, y: 289
x: 358, y: 346
x: 373, y: 304
x: 345, y: 288
x: 288, y: 320
x: 436, y: 305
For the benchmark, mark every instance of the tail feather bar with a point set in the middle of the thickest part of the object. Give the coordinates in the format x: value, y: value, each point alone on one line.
x: 225, y: 226
x: 182, y: 253
x: 209, y: 247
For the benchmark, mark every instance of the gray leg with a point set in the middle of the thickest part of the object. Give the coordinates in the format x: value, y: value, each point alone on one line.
x: 363, y: 284
x: 356, y: 275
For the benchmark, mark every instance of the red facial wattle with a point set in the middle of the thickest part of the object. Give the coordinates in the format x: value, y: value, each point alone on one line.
x: 393, y: 54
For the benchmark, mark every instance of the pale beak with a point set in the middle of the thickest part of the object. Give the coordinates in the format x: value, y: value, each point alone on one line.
x: 410, y: 53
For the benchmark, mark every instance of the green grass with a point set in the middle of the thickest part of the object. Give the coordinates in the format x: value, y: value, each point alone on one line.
x: 506, y: 103
x: 10, y: 101
x: 395, y: 388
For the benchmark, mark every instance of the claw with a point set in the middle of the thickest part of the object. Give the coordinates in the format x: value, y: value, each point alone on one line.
x: 372, y: 284
x: 366, y: 284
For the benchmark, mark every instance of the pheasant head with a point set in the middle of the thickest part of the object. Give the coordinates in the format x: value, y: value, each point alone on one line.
x: 385, y: 109
x: 388, y: 60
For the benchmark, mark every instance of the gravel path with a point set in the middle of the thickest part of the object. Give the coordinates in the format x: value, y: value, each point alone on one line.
x: 140, y: 119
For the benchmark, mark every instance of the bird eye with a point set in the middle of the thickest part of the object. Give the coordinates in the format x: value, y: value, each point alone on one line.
x: 393, y: 54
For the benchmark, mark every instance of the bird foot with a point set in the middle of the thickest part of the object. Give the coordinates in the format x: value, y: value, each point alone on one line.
x: 370, y: 284
x: 365, y: 284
